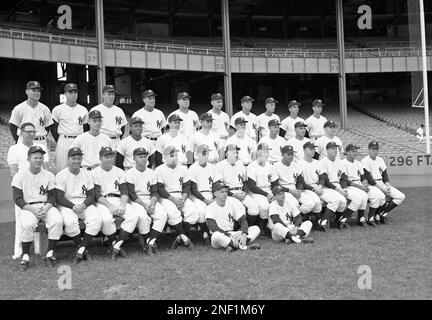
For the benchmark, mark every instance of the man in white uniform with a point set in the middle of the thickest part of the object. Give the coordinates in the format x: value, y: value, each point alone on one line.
x: 252, y: 119
x: 247, y: 145
x: 288, y: 124
x: 264, y: 118
x: 299, y: 140
x: 221, y: 120
x: 329, y: 136
x: 189, y: 119
x: 274, y: 141
x: 315, y: 123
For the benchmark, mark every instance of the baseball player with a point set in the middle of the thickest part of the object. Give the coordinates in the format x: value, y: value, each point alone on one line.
x: 31, y: 110
x: 245, y: 113
x: 288, y: 124
x: 285, y: 221
x: 75, y: 200
x: 221, y: 215
x: 33, y: 193
x: 91, y: 142
x: 421, y: 135
x: 233, y: 174
x: 143, y: 192
x: 174, y: 139
x: 315, y: 123
x: 69, y: 119
x: 288, y: 175
x: 299, y: 140
x: 189, y: 119
x: 202, y: 176
x: 357, y: 179
x: 154, y: 121
x: 124, y: 158
x: 329, y: 136
x: 112, y: 196
x: 206, y: 136
x: 221, y: 120
x: 174, y: 191
x: 247, y: 145
x: 375, y: 171
x: 274, y: 141
x: 113, y: 118
x: 264, y: 118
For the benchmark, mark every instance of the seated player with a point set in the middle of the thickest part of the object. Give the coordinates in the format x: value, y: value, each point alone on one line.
x: 221, y: 216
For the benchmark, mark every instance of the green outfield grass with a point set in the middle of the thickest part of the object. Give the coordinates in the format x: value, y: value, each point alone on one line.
x: 399, y: 254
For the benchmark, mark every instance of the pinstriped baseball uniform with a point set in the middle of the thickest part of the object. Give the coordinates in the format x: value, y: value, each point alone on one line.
x: 127, y: 146
x: 90, y: 146
x: 112, y: 122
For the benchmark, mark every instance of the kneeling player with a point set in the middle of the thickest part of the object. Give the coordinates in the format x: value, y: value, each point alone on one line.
x: 143, y: 192
x: 221, y: 215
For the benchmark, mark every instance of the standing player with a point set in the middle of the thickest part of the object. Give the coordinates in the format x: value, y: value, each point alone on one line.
x: 246, y: 144
x: 202, y: 176
x: 126, y: 147
x: 114, y: 119
x: 220, y: 119
x: 189, y: 119
x: 288, y: 124
x: 174, y: 191
x: 33, y: 193
x: 245, y: 113
x: 69, y: 119
x: 154, y: 120
x: 329, y: 136
x: 375, y: 171
x: 299, y: 140
x: 274, y: 141
x: 92, y: 141
x: 76, y: 199
x: 143, y: 192
x: 315, y: 123
x: 32, y: 111
x: 221, y: 215
x: 264, y: 118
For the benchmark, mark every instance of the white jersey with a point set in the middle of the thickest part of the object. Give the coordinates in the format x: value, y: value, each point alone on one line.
x: 210, y: 139
x: 127, y: 146
x: 247, y: 147
x: 233, y: 176
x: 172, y: 179
x: 288, y: 125
x: 179, y: 142
x: 375, y: 167
x: 286, y: 213
x: 251, y: 125
x: 311, y: 171
x: 315, y: 125
x: 142, y: 181
x: 225, y: 216
x: 322, y: 142
x: 74, y: 186
x: 263, y: 121
x: 70, y: 119
x: 189, y: 124
x: 35, y: 187
x: 154, y: 122
x: 109, y: 181
x: 113, y: 119
x: 287, y: 175
x: 17, y: 154
x: 420, y: 133
x: 204, y: 177
x: 90, y: 145
x: 220, y: 124
x: 298, y: 147
x: 262, y: 175
x: 276, y: 145
x: 40, y: 116
x: 354, y: 170
x: 334, y: 169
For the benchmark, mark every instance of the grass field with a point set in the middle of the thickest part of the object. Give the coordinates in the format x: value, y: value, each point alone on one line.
x: 398, y: 253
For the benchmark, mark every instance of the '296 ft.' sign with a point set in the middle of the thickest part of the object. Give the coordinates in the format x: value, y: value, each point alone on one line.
x: 416, y: 164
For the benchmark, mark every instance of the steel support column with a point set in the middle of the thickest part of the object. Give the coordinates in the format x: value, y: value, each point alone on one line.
x: 341, y: 78
x: 100, y: 36
x: 227, y: 51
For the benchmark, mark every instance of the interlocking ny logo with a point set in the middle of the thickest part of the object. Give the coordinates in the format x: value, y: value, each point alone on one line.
x: 148, y: 185
x: 80, y: 120
x: 230, y: 217
x: 158, y: 123
x: 380, y: 170
x: 296, y: 175
x: 181, y: 181
x: 254, y: 125
x: 195, y: 122
x: 215, y: 144
x: 43, y: 191
x: 249, y: 149
x: 84, y: 189
x: 317, y: 172
x: 118, y: 120
x: 210, y: 179
x: 359, y: 173
x: 116, y: 184
x: 183, y: 147
x: 339, y: 173
x: 41, y: 122
x: 269, y: 176
x: 240, y: 178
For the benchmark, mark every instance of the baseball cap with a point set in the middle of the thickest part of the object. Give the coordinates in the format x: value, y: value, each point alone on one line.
x: 170, y: 151
x: 206, y: 117
x: 351, y: 147
x: 331, y: 145
x: 218, y: 185
x: 33, y: 85
x: 183, y: 95
x: 231, y: 147
x: 263, y: 146
x: 240, y: 120
x: 317, y: 102
x: 139, y: 151
x: 70, y: 86
x: 287, y: 149
x: 293, y: 103
x: 216, y: 96
x: 201, y: 148
x: 309, y: 144
x: 277, y: 189
x: 330, y: 123
x: 104, y: 151
x: 75, y: 152
x: 246, y: 98
x: 149, y: 93
x: 274, y: 122
x: 299, y: 124
x: 108, y: 88
x: 373, y: 145
x: 136, y: 120
x: 35, y: 149
x: 95, y: 114
x: 270, y: 100
x: 174, y: 117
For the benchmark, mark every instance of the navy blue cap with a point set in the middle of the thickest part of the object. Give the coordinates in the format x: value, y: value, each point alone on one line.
x: 309, y: 144
x: 136, y: 120
x: 75, y: 152
x: 35, y: 149
x: 183, y: 95
x: 331, y: 145
x: 139, y: 151
x: 330, y: 123
x: 246, y: 98
x: 206, y: 117
x: 33, y: 85
x: 287, y: 149
x: 373, y: 145
x: 218, y: 185
x: 104, y: 151
x: 95, y: 114
x: 174, y: 117
x: 240, y: 120
x: 351, y: 147
x: 317, y: 102
x: 299, y: 124
x: 277, y: 189
x: 108, y: 88
x: 274, y: 122
x: 216, y: 96
x: 149, y: 93
x: 293, y: 103
x: 70, y: 86
x: 270, y: 100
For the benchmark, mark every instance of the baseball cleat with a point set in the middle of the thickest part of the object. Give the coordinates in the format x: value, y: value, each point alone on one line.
x: 383, y: 220
x: 175, y: 244
x: 188, y: 243
x: 118, y: 252
x: 307, y: 240
x: 87, y: 256
x: 361, y: 223
x: 207, y: 241
x: 146, y: 250
x: 78, y: 258
x: 24, y: 265
x: 371, y: 223
x: 254, y: 246
x: 123, y: 253
x: 229, y: 249
x: 153, y: 249
x: 50, y: 261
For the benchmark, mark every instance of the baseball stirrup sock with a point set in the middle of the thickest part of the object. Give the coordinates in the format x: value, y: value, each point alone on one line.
x: 179, y: 228
x: 390, y: 207
x: 76, y: 240
x: 86, y: 240
x: 371, y: 214
x: 51, y: 244
x: 251, y: 220
x: 186, y: 227
x: 26, y: 247
x: 326, y: 215
x: 204, y: 228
